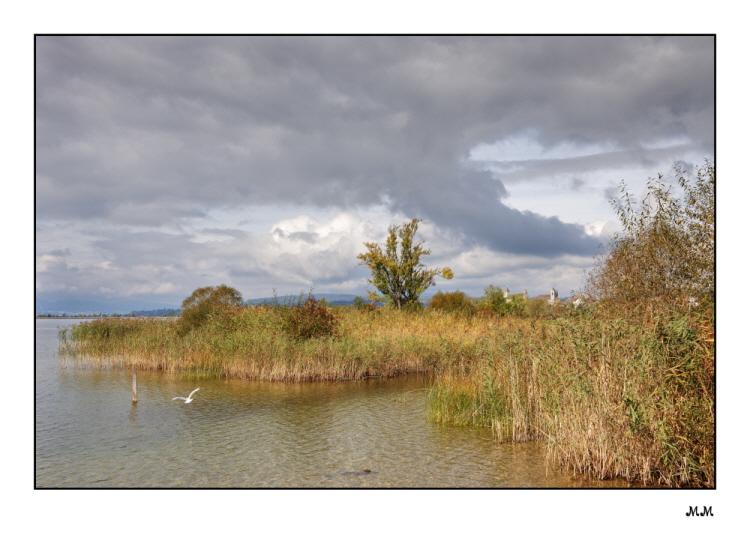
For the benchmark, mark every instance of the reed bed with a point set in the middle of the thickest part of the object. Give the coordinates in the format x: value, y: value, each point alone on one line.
x: 609, y: 396
x: 249, y: 343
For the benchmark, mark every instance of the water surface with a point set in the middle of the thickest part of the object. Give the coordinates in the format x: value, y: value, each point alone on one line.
x: 240, y: 434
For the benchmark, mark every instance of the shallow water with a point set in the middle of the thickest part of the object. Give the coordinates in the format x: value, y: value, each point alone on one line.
x: 260, y: 434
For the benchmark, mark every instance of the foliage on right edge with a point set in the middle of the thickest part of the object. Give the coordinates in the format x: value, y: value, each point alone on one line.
x: 665, y: 255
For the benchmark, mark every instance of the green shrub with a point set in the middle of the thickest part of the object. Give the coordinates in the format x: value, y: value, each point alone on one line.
x: 363, y: 305
x: 205, y: 302
x: 494, y: 299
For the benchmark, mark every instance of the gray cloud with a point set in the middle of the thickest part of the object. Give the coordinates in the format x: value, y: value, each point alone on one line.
x: 160, y: 131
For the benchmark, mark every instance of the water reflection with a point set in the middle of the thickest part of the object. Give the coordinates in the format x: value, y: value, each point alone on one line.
x: 259, y: 434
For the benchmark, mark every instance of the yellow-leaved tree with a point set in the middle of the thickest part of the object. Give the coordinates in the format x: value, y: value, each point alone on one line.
x: 397, y: 271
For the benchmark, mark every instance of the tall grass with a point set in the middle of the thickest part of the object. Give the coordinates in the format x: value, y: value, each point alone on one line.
x: 252, y: 343
x: 611, y: 396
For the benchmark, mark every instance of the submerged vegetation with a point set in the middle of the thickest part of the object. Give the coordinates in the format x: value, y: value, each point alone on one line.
x: 622, y: 386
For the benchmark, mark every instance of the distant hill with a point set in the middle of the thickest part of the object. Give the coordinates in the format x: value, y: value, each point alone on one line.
x: 332, y: 299
x: 94, y: 307
x: 146, y: 309
x: 156, y: 313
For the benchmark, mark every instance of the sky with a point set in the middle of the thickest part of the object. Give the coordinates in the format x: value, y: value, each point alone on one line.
x: 169, y: 163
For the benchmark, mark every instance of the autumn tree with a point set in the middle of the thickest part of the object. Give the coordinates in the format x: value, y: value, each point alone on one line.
x: 397, y: 270
x: 665, y: 253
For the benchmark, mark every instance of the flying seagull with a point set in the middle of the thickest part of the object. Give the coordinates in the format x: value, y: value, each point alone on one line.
x: 189, y: 397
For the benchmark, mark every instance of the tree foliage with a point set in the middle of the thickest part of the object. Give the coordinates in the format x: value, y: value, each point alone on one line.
x: 363, y: 305
x: 494, y: 299
x: 397, y: 270
x: 204, y: 302
x: 665, y: 253
x: 455, y: 302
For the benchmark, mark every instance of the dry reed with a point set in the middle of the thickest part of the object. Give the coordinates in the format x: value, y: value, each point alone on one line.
x: 610, y: 396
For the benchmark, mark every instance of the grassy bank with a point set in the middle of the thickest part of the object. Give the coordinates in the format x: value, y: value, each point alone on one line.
x: 609, y: 396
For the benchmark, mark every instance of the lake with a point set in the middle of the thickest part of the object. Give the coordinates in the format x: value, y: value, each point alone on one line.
x: 247, y: 434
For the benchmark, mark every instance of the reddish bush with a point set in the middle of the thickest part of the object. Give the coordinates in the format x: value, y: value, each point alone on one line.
x: 309, y: 319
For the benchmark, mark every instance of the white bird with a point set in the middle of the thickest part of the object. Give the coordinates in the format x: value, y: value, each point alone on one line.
x: 189, y: 397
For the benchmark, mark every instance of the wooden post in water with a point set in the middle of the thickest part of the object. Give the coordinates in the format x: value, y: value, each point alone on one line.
x: 135, y: 389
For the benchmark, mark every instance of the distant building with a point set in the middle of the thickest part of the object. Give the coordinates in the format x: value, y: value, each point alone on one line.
x: 553, y: 297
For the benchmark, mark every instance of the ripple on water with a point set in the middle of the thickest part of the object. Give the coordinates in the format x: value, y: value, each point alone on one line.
x: 256, y: 434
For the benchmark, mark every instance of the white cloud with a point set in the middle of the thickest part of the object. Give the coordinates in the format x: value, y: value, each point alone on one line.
x: 602, y: 228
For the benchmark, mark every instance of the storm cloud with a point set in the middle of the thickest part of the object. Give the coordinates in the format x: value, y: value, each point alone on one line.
x: 144, y: 140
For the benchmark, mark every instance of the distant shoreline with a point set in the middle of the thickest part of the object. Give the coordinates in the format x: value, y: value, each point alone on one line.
x: 106, y: 317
